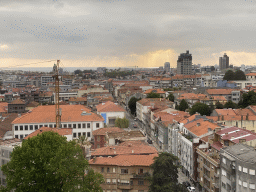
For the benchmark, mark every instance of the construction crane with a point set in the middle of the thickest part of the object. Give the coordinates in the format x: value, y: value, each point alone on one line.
x: 57, y: 93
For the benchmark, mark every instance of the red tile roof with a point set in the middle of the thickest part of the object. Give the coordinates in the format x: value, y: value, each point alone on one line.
x: 62, y: 131
x: 103, y: 131
x: 225, y: 111
x: 219, y: 91
x: 125, y: 160
x: 77, y: 99
x: 70, y: 113
x: 130, y: 148
x: 17, y: 101
x: 159, y: 91
x: 251, y: 74
x: 109, y: 107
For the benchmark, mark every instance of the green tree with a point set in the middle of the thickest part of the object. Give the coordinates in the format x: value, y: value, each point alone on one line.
x: 183, y: 105
x: 78, y: 72
x: 201, y: 108
x: 132, y: 104
x: 165, y: 174
x: 231, y: 104
x: 229, y: 75
x: 122, y: 122
x: 248, y: 99
x: 212, y: 68
x: 218, y: 105
x: 239, y: 75
x: 171, y: 97
x: 92, y: 181
x: 48, y: 162
x: 153, y: 95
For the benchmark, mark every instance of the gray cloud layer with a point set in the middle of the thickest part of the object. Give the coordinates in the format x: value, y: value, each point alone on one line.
x: 79, y: 29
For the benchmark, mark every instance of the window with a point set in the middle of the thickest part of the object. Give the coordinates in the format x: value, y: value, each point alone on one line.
x: 108, y: 170
x: 36, y: 127
x: 79, y: 126
x: 140, y: 171
x: 245, y: 170
x: 239, y: 182
x: 114, y: 169
x: 88, y: 125
x: 21, y: 127
x: 223, y: 160
x: 124, y: 171
x: 26, y: 127
x: 97, y: 125
x: 40, y: 126
x: 245, y: 184
x: 108, y: 180
x: 21, y: 136
x: 223, y: 185
x: 226, y: 143
x: 74, y: 125
x: 83, y: 125
x: 88, y: 134
x: 46, y: 125
x: 69, y: 125
x: 239, y: 168
x: 74, y: 134
x: 84, y: 133
x: 79, y: 134
x: 16, y: 136
x: 141, y: 182
x: 252, y: 186
x: 16, y: 128
x: 65, y: 125
x: 224, y: 173
x: 50, y: 125
x: 114, y: 181
x: 102, y: 169
x: 30, y: 127
x: 251, y: 172
x: 54, y: 125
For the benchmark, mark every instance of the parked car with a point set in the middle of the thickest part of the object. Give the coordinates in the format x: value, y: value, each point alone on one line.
x: 134, y: 125
x: 191, y: 189
x: 149, y: 141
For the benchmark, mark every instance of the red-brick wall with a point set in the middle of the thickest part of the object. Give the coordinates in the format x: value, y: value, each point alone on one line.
x: 101, y: 142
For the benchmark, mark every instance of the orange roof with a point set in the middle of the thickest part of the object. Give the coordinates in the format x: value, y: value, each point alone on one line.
x: 192, y: 96
x: 84, y: 87
x: 251, y: 74
x: 244, y: 112
x: 159, y: 91
x: 109, y: 107
x: 202, y: 128
x: 103, y: 131
x: 70, y: 113
x: 62, y: 131
x: 125, y: 160
x: 219, y: 91
x: 225, y: 111
x: 46, y: 94
x: 131, y: 148
x: 17, y: 101
x: 156, y: 101
x: 3, y: 107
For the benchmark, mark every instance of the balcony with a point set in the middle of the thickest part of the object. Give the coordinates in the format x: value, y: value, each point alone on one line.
x: 216, y: 185
x: 141, y: 175
x: 216, y: 174
x: 206, y: 187
x: 206, y: 167
x: 207, y: 177
x: 198, y: 160
x: 124, y: 186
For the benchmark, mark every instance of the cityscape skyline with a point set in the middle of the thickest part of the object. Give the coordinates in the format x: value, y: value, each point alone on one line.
x: 126, y: 33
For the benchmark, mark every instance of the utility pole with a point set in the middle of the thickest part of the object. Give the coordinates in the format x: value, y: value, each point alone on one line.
x: 57, y: 94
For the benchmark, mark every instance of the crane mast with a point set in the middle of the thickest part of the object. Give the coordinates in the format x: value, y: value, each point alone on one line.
x: 57, y: 94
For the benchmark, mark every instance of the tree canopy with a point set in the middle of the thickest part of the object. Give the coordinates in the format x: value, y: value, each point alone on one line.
x: 183, y: 105
x: 122, y: 122
x: 171, y: 97
x: 248, y: 99
x: 231, y: 104
x: 165, y: 174
x: 238, y: 75
x: 153, y: 95
x: 48, y: 162
x: 201, y: 108
x: 132, y: 104
x: 218, y: 105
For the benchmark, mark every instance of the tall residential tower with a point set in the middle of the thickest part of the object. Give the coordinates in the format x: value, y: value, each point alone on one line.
x: 184, y: 64
x: 224, y: 62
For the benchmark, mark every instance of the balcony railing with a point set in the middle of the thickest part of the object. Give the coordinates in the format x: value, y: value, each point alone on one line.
x: 216, y: 185
x: 207, y: 177
x: 124, y: 186
x: 141, y: 175
x: 206, y: 167
x: 207, y: 187
x: 216, y: 174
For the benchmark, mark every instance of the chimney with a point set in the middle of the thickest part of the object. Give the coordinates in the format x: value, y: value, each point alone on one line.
x: 94, y: 159
x: 198, y: 124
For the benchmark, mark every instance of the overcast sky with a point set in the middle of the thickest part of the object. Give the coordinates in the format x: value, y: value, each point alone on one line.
x: 146, y: 33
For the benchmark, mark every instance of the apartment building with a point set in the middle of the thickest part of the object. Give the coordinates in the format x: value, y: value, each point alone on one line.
x: 124, y: 173
x: 78, y: 117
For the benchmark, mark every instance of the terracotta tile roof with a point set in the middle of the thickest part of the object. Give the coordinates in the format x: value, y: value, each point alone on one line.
x: 219, y: 98
x: 3, y: 107
x: 109, y: 107
x: 219, y: 91
x: 5, y: 125
x: 78, y: 99
x: 192, y: 96
x: 156, y: 101
x: 17, y: 101
x: 62, y: 131
x: 159, y: 91
x: 244, y: 112
x: 251, y: 74
x: 136, y: 148
x: 217, y: 145
x: 84, y: 87
x: 46, y: 94
x: 103, y: 131
x: 202, y: 128
x: 225, y: 112
x: 32, y: 104
x: 70, y: 113
x: 125, y: 160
